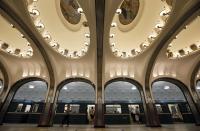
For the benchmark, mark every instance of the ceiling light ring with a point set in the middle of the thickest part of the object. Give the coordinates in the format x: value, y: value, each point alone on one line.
x: 151, y: 38
x: 46, y: 35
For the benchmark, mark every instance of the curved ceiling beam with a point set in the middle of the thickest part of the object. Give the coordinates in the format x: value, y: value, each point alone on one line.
x: 194, y: 74
x: 5, y: 80
x: 15, y: 17
x: 192, y: 9
x: 193, y: 84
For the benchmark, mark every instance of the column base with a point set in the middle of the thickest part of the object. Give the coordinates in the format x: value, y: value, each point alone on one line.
x: 153, y: 125
x: 197, y: 124
x: 99, y: 126
x: 99, y: 116
x: 45, y: 125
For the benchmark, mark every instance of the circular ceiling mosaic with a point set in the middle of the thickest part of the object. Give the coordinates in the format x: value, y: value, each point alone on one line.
x: 129, y: 10
x: 69, y: 10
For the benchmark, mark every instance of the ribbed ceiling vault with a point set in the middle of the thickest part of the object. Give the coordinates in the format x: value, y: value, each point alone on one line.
x: 5, y: 6
x: 99, y: 65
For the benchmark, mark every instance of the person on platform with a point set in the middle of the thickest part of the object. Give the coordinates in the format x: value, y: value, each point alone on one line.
x: 91, y: 112
x: 137, y: 114
x: 66, y: 117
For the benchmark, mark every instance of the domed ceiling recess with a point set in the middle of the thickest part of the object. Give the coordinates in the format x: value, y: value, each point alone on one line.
x: 62, y: 24
x: 12, y: 41
x: 186, y: 42
x: 136, y: 24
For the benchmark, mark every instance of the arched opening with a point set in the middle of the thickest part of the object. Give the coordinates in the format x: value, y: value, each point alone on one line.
x: 198, y: 88
x: 123, y: 102
x: 75, y: 100
x: 25, y: 102
x: 171, y: 102
x: 1, y: 86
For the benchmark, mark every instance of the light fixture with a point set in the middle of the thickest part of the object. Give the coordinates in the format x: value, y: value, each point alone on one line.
x: 31, y: 86
x: 34, y: 12
x: 40, y: 25
x: 12, y: 25
x: 80, y: 10
x: 0, y: 86
x: 87, y: 35
x: 198, y: 87
x: 86, y: 43
x: 47, y: 37
x: 65, y: 88
x: 133, y: 88
x: 113, y: 24
x: 165, y: 13
x: 118, y: 11
x: 112, y: 35
x: 22, y: 36
x: 166, y: 87
x: 112, y: 44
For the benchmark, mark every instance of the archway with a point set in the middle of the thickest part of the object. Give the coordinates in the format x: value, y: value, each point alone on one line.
x: 124, y: 102
x: 1, y: 87
x: 78, y: 96
x: 173, y: 101
x: 198, y: 88
x: 24, y: 102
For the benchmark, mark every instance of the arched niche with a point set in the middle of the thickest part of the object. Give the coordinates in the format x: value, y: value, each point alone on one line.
x: 123, y: 97
x: 172, y: 101
x: 77, y: 94
x: 24, y: 102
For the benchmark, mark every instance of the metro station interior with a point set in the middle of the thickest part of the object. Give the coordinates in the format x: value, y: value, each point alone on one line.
x: 105, y: 64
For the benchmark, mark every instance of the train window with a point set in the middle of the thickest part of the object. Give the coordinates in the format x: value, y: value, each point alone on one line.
x: 175, y: 111
x: 66, y: 108
x: 28, y: 108
x: 159, y: 108
x: 188, y: 108
x: 35, y: 107
x: 19, y: 107
x: 134, y: 108
x: 74, y: 108
x: 113, y: 109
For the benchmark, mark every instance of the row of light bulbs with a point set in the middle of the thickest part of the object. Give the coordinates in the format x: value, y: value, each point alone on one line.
x: 34, y: 13
x: 185, y: 51
x: 164, y: 15
x: 27, y: 53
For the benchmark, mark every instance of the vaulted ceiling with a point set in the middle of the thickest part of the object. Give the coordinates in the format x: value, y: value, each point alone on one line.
x: 60, y: 39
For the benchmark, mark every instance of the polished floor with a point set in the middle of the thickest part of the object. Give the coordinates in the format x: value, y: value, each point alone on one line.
x: 172, y: 127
